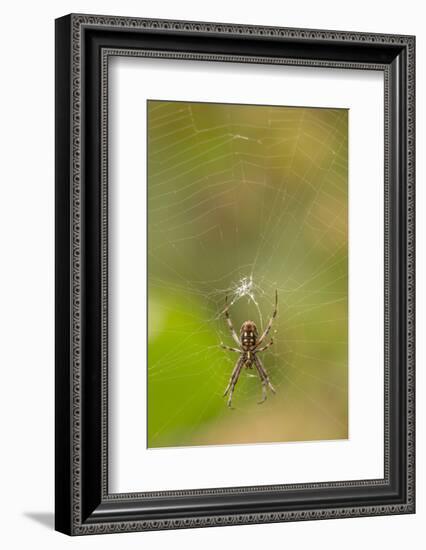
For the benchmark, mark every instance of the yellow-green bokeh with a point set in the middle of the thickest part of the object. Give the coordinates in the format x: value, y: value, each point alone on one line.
x: 246, y: 192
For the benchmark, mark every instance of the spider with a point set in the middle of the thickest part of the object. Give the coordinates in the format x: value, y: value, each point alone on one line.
x: 248, y: 347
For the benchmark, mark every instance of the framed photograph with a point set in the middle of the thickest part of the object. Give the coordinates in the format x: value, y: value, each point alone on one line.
x: 234, y: 274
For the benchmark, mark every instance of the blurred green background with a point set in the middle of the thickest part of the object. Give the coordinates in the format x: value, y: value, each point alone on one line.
x: 244, y: 199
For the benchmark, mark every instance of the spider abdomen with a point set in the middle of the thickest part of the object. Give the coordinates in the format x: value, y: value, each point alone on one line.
x: 248, y: 342
x: 248, y: 336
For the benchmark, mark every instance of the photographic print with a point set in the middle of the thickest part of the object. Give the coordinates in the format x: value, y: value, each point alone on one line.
x: 247, y: 274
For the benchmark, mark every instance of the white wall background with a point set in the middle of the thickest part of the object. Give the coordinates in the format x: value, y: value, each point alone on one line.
x: 26, y: 289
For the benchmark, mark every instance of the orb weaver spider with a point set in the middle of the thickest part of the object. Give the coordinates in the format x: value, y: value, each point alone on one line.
x: 248, y: 347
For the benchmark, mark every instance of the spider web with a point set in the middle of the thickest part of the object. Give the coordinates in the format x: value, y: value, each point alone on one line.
x: 242, y: 201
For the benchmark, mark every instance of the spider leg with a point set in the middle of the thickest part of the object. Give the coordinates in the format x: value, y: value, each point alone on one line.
x: 263, y: 394
x: 229, y: 348
x: 266, y: 347
x: 264, y: 377
x: 271, y: 320
x: 230, y: 325
x: 233, y: 380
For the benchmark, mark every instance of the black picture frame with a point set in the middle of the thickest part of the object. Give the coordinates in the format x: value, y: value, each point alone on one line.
x: 83, y: 45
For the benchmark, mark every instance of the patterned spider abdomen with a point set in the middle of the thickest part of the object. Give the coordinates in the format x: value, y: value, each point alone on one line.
x: 248, y: 335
